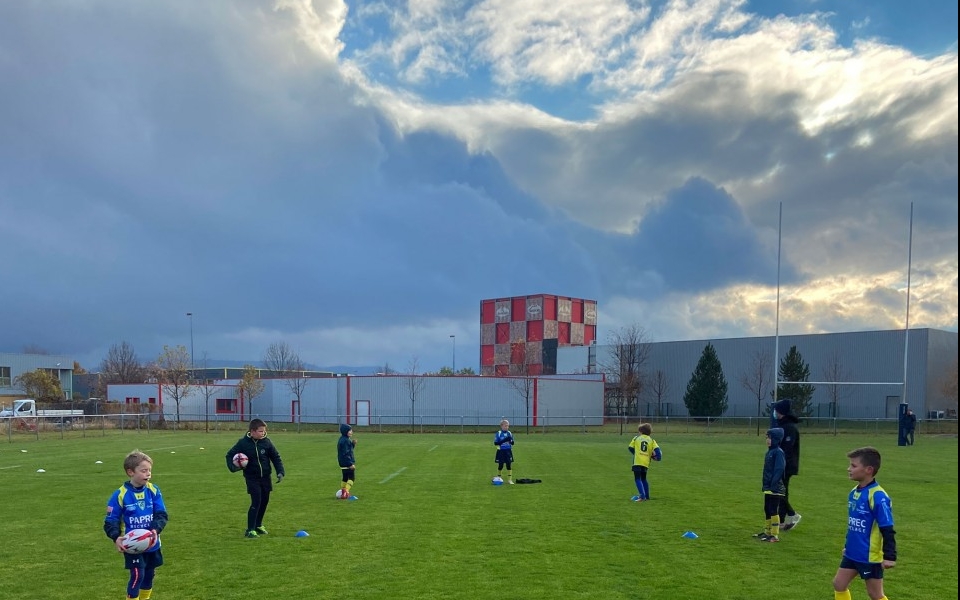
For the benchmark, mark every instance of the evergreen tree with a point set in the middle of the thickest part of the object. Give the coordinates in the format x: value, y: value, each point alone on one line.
x: 793, y: 368
x: 706, y: 394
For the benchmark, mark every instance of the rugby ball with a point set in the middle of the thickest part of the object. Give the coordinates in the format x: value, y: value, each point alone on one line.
x: 240, y: 460
x: 137, y: 541
x: 342, y: 494
x: 497, y: 481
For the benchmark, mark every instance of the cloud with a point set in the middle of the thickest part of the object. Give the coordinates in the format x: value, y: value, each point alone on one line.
x: 295, y: 172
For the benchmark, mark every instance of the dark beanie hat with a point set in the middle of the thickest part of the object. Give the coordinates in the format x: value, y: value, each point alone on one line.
x: 782, y: 407
x: 344, y: 428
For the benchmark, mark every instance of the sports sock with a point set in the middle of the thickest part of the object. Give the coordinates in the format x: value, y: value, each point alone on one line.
x: 145, y: 594
x: 775, y: 525
x: 844, y: 595
x: 646, y: 490
x: 349, y: 485
x: 768, y: 527
x: 509, y: 473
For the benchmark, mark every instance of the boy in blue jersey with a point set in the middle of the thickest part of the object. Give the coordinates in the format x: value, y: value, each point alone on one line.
x: 261, y: 454
x: 503, y: 440
x: 137, y: 504
x: 644, y: 449
x: 774, y: 465
x: 870, y: 546
x: 347, y: 461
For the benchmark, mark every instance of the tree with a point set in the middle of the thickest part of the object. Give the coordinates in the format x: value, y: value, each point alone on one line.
x: 659, y: 386
x: 449, y: 372
x: 41, y: 385
x: 522, y: 376
x: 414, y: 383
x: 78, y: 370
x: 833, y: 370
x: 209, y: 391
x: 121, y: 365
x: 173, y: 373
x: 706, y: 394
x: 250, y: 387
x: 756, y: 379
x: 630, y: 349
x: 793, y: 368
x: 285, y: 362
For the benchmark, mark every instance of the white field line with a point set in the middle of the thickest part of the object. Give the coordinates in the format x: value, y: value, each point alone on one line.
x: 432, y: 449
x: 11, y: 467
x: 392, y: 475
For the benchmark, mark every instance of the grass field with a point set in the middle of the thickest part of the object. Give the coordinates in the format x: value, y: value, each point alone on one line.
x: 429, y: 524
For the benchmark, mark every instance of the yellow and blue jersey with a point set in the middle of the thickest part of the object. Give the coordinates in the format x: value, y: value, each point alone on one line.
x: 644, y: 448
x: 868, y: 509
x: 135, y: 508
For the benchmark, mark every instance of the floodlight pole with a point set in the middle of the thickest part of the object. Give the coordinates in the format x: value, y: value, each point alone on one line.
x: 454, y: 367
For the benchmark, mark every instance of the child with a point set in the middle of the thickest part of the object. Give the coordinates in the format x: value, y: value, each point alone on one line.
x: 870, y: 546
x: 504, y: 442
x: 643, y: 448
x: 348, y: 464
x: 137, y: 504
x: 261, y: 453
x: 774, y: 465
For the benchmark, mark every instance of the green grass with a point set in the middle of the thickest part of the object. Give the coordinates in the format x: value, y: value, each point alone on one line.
x: 429, y: 525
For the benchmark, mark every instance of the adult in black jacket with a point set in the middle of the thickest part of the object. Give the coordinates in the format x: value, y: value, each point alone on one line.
x: 791, y: 447
x: 261, y: 453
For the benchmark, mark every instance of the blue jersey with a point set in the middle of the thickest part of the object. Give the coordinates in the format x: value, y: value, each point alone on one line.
x: 868, y: 509
x: 136, y: 508
x: 503, y: 439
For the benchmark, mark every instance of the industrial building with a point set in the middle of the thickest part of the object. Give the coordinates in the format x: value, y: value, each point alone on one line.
x: 520, y: 335
x: 881, y: 363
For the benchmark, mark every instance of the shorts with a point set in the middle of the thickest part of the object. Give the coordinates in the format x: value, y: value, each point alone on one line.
x: 504, y: 456
x: 867, y: 570
x: 147, y: 560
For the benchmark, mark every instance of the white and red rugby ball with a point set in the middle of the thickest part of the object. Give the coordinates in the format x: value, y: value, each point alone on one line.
x: 137, y: 541
x: 240, y: 460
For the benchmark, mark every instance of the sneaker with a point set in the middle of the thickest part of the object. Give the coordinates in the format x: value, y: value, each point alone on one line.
x: 510, y: 482
x: 770, y: 538
x: 261, y: 531
x: 252, y: 534
x: 795, y: 521
x: 635, y: 499
x: 763, y: 535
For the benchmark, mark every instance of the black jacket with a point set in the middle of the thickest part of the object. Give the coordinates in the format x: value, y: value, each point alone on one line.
x: 791, y: 443
x: 261, y: 454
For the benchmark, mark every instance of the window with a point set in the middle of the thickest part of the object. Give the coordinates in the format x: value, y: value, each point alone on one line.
x: 133, y: 400
x: 151, y: 400
x: 226, y: 406
x: 4, y: 376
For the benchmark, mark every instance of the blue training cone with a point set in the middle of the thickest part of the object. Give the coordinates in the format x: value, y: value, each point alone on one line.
x: 690, y: 535
x: 301, y: 533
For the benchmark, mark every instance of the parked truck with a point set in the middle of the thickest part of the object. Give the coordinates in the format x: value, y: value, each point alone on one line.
x: 25, y: 414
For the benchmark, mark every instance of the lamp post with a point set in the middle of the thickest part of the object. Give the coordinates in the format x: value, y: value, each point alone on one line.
x: 190, y: 315
x: 454, y: 367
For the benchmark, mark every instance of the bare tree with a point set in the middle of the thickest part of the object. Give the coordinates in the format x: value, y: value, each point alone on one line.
x: 523, y: 374
x: 414, y: 383
x: 172, y: 371
x: 209, y: 390
x: 121, y: 365
x: 630, y: 349
x: 756, y: 379
x: 659, y: 386
x: 833, y: 370
x: 285, y: 362
x: 250, y: 387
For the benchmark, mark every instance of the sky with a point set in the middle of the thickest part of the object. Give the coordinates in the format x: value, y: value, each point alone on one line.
x: 353, y: 178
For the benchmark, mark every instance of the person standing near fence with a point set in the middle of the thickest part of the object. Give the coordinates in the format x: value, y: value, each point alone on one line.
x: 909, y: 426
x: 789, y: 518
